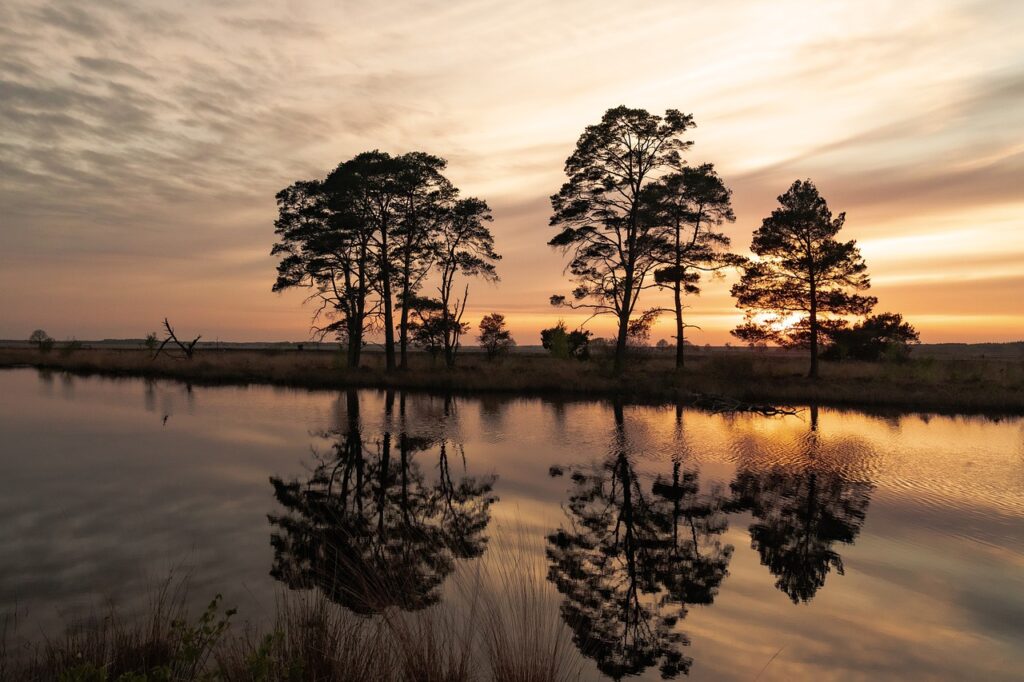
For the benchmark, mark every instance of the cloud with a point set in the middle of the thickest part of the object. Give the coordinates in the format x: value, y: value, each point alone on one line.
x: 161, y: 133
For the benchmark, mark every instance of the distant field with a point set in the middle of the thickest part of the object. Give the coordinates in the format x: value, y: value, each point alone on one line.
x: 950, y: 379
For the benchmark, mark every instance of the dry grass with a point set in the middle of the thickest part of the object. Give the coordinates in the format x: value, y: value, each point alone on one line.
x: 948, y: 383
x: 499, y: 622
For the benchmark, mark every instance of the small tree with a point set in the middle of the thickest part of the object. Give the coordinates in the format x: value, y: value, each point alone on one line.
x: 494, y: 338
x: 41, y: 340
x: 802, y: 271
x: 878, y: 337
x: 151, y: 341
x: 429, y: 325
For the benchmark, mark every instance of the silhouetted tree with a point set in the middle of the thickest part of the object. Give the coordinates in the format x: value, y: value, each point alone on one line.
x: 465, y: 247
x: 600, y: 214
x: 880, y: 336
x: 41, y: 340
x: 365, y: 239
x: 369, y: 530
x: 425, y: 195
x: 324, y: 245
x: 494, y: 338
x: 801, y: 269
x: 370, y: 186
x: 691, y: 203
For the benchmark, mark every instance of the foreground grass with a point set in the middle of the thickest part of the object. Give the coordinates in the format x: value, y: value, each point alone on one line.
x: 940, y: 384
x: 501, y: 623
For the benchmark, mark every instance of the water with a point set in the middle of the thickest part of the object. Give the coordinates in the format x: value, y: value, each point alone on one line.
x: 832, y: 544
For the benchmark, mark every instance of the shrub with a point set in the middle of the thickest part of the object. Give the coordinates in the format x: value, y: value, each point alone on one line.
x: 878, y: 337
x: 564, y: 344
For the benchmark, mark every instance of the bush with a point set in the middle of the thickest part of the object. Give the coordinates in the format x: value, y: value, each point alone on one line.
x: 879, y: 337
x: 565, y: 344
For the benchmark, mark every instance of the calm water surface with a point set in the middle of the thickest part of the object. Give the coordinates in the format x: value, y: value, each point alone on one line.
x: 847, y: 546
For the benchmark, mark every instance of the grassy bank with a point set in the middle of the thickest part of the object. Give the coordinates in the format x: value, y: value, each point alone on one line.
x: 939, y: 384
x: 496, y: 623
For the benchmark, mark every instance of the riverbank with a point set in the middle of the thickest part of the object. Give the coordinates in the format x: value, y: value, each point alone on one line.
x: 932, y: 384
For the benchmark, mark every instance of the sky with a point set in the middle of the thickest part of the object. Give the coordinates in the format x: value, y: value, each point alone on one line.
x: 142, y: 143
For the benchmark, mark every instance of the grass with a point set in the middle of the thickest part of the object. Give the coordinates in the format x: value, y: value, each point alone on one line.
x: 500, y: 622
x: 949, y: 383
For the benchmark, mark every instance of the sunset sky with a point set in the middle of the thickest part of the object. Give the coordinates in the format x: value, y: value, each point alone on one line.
x: 142, y: 143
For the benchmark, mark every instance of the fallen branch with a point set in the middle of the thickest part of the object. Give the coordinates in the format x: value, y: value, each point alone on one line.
x: 721, y: 404
x: 186, y: 349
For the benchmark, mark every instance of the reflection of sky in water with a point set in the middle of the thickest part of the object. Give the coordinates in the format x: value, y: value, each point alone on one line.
x: 105, y: 485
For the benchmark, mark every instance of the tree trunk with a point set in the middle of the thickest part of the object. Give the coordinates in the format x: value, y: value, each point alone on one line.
x: 679, y: 323
x: 389, y: 323
x: 813, y: 374
x: 678, y: 292
x: 355, y: 344
x: 403, y: 328
x: 620, y: 342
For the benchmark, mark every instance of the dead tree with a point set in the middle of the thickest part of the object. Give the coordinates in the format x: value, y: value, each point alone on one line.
x: 187, y: 350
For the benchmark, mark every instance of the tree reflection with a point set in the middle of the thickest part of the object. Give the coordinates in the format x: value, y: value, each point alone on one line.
x: 369, y: 530
x: 695, y: 560
x: 800, y: 513
x: 628, y: 562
